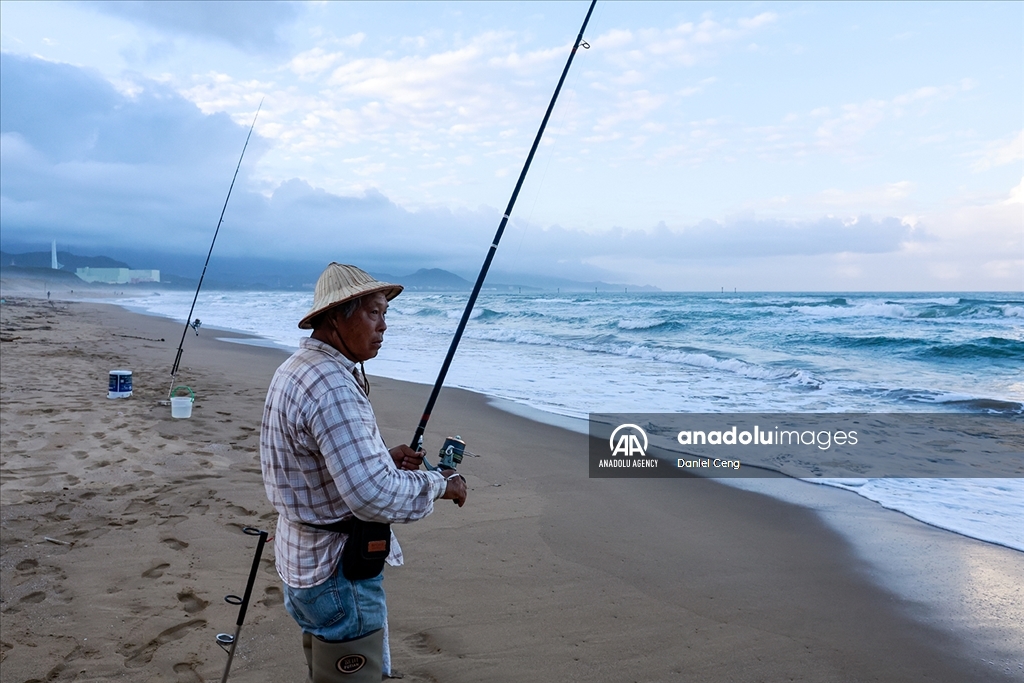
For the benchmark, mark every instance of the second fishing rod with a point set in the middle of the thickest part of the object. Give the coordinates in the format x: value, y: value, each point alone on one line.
x: 448, y: 459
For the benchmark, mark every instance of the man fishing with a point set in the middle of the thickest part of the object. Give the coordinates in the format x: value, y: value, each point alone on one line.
x: 335, y: 485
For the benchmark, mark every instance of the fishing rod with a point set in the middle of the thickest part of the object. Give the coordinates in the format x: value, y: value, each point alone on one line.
x: 451, y: 454
x: 188, y: 323
x: 228, y: 641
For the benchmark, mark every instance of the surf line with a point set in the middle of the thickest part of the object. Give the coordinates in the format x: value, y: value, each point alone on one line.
x: 188, y: 323
x: 417, y: 439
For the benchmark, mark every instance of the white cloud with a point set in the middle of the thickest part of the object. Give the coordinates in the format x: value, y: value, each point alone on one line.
x: 1016, y: 194
x: 686, y: 43
x: 1000, y: 153
x: 353, y: 41
x: 542, y: 57
x: 633, y: 106
x: 854, y: 122
x: 613, y: 39
x: 760, y: 20
x: 313, y: 62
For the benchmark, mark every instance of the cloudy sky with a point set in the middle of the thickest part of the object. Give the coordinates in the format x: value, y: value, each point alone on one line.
x: 763, y: 146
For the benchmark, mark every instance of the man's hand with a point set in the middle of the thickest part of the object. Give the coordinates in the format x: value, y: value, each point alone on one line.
x: 406, y: 458
x: 456, y: 490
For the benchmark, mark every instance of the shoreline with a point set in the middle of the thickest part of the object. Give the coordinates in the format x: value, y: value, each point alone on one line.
x: 542, y: 511
x: 579, y: 425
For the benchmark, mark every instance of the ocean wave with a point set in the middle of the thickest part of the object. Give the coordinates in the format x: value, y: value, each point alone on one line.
x: 792, y: 303
x: 986, y: 509
x: 957, y: 402
x: 610, y: 344
x: 475, y: 314
x: 648, y: 324
x: 638, y: 324
x: 731, y: 365
x: 873, y: 310
x: 921, y: 309
x: 874, y: 342
x: 422, y: 311
x: 990, y: 347
x: 989, y: 406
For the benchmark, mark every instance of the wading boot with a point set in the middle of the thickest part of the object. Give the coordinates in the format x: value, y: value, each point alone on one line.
x: 307, y: 650
x: 350, y: 661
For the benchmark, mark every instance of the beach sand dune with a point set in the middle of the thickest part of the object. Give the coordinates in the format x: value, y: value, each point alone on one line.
x: 121, y: 534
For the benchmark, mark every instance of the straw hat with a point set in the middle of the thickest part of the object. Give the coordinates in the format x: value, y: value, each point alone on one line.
x: 340, y: 283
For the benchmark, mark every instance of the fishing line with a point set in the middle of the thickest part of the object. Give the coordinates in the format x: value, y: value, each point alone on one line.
x: 188, y: 323
x: 417, y: 439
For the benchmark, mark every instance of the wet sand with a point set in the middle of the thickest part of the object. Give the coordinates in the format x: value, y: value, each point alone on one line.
x: 545, y: 575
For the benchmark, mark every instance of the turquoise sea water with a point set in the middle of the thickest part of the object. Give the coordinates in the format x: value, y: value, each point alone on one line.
x: 573, y: 354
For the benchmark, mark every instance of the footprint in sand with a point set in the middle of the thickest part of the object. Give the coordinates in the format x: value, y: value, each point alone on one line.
x: 174, y: 544
x: 33, y: 598
x: 192, y: 602
x: 26, y: 565
x: 272, y: 597
x: 423, y: 642
x: 239, y: 510
x: 156, y: 571
x: 144, y: 655
x: 172, y: 520
x: 187, y: 672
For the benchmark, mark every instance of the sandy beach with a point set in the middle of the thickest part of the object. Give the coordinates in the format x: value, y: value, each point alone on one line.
x: 121, y: 534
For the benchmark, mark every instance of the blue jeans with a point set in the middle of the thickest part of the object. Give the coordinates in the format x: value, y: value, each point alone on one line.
x: 338, y: 609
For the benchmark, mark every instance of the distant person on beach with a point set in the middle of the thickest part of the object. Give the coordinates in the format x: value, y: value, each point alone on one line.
x: 335, y: 485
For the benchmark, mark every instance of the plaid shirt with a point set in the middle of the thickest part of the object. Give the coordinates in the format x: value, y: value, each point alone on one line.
x: 324, y: 460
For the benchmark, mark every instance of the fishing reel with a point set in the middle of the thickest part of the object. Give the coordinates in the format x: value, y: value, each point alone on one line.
x: 451, y: 453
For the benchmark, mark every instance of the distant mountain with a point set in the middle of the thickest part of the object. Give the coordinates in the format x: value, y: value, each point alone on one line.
x: 499, y: 281
x: 429, y: 279
x: 47, y: 273
x: 181, y: 271
x: 68, y: 261
x: 435, y: 279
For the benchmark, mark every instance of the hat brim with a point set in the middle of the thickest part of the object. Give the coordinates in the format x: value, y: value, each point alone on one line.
x: 390, y: 292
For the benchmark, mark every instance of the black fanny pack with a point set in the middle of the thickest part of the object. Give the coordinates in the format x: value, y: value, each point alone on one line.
x: 367, y: 547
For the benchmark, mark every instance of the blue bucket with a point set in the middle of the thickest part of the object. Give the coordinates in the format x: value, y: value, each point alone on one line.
x: 120, y: 385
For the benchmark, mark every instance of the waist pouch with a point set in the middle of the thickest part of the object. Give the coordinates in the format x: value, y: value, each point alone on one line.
x: 367, y: 547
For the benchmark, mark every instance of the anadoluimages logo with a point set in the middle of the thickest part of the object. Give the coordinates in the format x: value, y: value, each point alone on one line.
x: 628, y: 444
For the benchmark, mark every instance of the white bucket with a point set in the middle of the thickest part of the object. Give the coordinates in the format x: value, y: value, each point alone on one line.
x: 120, y: 385
x: 181, y: 406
